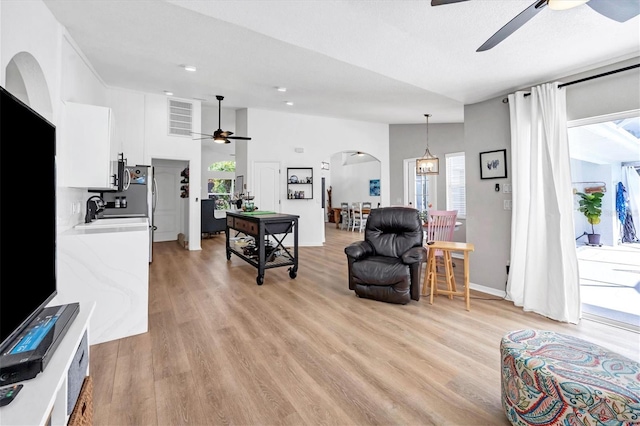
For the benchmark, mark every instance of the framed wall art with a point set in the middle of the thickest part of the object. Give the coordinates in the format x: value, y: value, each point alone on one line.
x: 493, y: 164
x: 374, y: 187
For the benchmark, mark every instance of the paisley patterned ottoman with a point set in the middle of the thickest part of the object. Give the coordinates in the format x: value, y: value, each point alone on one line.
x: 555, y: 379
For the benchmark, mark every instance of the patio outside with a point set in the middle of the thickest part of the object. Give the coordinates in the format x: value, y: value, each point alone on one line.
x: 610, y: 284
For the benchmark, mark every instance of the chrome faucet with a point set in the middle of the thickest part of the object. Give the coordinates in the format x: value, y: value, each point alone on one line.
x: 95, y: 204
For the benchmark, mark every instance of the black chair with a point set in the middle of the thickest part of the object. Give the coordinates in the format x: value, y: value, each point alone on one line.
x: 209, y: 224
x: 386, y: 265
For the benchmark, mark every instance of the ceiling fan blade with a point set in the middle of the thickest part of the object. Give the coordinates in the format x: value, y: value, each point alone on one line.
x: 441, y: 2
x: 203, y: 134
x: 239, y: 137
x: 618, y: 10
x: 198, y: 139
x: 513, y: 25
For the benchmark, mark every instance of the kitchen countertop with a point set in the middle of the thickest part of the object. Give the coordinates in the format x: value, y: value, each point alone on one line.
x: 115, y: 225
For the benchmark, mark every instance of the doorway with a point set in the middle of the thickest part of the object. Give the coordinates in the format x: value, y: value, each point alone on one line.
x: 170, y: 216
x: 352, y: 176
x: 419, y: 191
x: 601, y: 149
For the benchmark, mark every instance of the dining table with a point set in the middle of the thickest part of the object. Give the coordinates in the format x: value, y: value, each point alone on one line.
x: 337, y: 217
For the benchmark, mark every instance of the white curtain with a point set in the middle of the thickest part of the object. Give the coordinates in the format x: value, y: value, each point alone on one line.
x: 543, y: 275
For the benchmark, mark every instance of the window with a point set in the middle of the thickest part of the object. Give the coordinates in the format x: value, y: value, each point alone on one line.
x: 223, y: 166
x: 222, y: 191
x: 456, y: 198
x: 222, y: 185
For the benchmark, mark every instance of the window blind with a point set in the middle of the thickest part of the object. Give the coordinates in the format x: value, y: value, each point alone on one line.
x: 456, y: 192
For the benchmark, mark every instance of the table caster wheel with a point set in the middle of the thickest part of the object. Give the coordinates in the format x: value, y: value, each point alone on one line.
x: 292, y: 273
x: 260, y: 279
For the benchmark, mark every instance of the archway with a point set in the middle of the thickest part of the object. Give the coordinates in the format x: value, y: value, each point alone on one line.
x: 26, y: 81
x: 352, y: 176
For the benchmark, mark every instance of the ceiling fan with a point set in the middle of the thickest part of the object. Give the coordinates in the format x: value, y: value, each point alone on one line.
x: 221, y: 136
x: 618, y: 10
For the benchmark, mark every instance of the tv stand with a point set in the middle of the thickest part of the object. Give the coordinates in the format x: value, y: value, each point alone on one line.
x: 45, y: 396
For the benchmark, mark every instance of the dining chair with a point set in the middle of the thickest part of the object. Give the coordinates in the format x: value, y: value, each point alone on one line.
x: 365, y: 210
x: 345, y: 214
x: 356, y: 216
x: 439, y: 226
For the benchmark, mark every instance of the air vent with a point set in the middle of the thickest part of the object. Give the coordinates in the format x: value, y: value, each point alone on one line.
x: 180, y: 116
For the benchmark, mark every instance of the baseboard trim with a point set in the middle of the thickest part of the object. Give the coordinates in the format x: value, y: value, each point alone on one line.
x: 488, y: 290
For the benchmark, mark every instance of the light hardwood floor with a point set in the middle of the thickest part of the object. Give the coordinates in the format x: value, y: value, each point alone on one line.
x: 223, y: 350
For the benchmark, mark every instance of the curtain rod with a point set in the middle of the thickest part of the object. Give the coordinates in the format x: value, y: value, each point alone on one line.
x: 604, y: 74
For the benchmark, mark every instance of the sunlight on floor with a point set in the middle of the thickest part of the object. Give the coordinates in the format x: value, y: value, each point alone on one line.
x: 610, y: 282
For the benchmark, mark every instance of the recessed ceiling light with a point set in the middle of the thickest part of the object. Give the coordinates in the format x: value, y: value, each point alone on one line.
x: 168, y: 93
x: 281, y: 89
x: 189, y: 68
x: 289, y: 103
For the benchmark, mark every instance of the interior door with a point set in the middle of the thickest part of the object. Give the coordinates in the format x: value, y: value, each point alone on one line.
x: 266, y: 185
x: 168, y: 213
x: 419, y: 191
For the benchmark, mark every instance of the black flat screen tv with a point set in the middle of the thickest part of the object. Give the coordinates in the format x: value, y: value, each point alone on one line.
x: 28, y: 210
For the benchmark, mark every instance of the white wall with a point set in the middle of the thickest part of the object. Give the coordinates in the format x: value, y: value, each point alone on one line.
x: 275, y: 135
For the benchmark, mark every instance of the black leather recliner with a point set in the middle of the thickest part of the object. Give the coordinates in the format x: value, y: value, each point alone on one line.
x: 386, y: 265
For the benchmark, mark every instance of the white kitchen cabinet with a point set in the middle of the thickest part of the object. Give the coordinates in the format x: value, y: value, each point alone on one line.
x: 85, y: 139
x: 108, y: 266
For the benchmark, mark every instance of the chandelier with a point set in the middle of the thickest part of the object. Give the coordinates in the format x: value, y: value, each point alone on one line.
x: 429, y: 163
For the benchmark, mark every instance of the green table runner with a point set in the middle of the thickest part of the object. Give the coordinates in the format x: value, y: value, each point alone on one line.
x: 257, y: 213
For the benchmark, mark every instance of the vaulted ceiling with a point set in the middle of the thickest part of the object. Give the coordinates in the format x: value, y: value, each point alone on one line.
x: 379, y: 61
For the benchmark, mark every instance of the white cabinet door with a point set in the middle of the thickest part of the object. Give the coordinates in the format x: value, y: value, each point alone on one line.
x: 85, y: 140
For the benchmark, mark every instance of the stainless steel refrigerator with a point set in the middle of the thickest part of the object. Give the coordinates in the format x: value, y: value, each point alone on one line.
x: 137, y: 199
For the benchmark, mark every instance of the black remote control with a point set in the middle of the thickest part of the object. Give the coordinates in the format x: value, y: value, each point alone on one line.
x: 8, y: 394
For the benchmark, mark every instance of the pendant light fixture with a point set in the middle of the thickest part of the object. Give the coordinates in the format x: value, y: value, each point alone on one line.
x: 429, y: 163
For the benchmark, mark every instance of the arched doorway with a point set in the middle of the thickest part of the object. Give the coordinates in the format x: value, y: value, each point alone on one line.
x: 26, y: 81
x: 352, y: 176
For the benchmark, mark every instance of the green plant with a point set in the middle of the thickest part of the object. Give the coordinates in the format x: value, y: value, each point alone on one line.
x: 591, y: 207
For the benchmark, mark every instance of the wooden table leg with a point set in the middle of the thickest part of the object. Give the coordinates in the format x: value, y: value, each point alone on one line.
x: 466, y: 280
x: 449, y: 277
x: 425, y: 280
x: 431, y: 268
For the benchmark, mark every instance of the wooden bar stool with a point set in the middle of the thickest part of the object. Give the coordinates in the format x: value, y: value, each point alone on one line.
x: 430, y: 276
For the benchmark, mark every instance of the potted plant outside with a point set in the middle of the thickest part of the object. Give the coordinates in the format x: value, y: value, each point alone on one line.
x: 591, y: 207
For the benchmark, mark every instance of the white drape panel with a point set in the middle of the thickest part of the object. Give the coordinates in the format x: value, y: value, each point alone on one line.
x: 633, y: 191
x: 543, y: 275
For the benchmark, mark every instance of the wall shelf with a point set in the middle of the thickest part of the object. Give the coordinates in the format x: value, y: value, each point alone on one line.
x: 299, y: 183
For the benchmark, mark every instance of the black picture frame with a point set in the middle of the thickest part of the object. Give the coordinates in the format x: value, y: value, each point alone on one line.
x: 493, y: 164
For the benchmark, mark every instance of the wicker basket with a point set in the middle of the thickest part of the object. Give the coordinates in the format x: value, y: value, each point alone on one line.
x: 82, y: 414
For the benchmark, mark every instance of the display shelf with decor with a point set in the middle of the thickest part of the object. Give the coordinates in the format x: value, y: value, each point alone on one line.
x: 184, y: 187
x: 299, y: 183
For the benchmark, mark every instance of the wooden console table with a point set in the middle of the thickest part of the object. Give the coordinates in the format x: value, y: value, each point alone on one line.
x: 260, y: 225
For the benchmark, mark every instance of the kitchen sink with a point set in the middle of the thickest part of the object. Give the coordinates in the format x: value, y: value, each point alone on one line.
x: 116, y: 222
